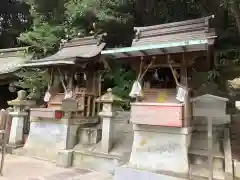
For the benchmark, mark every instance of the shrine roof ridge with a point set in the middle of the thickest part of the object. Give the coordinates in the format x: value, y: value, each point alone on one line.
x: 12, y: 59
x: 89, y: 40
x: 16, y: 49
x: 203, y: 21
x: 170, y: 32
x: 177, y: 37
x: 71, y: 52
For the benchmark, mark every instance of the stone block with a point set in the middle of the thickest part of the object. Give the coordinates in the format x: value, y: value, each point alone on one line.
x: 47, y: 134
x: 46, y: 137
x: 123, y: 173
x: 164, y: 150
x: 96, y: 161
x: 10, y: 148
x: 64, y: 158
x: 90, y: 135
x: 236, y: 168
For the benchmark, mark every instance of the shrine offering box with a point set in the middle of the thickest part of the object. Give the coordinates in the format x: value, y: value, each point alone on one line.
x: 159, y: 114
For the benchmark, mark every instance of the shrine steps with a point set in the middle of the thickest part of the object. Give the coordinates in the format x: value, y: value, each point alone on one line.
x: 198, y: 153
x: 92, y: 157
x: 127, y: 172
x: 203, y: 171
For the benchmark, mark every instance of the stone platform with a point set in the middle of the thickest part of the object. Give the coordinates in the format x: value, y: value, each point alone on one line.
x: 126, y: 172
x: 25, y: 168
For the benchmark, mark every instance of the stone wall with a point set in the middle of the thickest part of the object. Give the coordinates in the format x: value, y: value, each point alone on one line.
x: 235, y: 136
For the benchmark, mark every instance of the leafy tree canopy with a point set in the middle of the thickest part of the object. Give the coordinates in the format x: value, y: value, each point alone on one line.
x: 14, y: 19
x: 57, y: 20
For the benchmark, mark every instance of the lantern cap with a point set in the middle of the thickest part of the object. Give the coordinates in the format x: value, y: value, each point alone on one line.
x: 109, y: 97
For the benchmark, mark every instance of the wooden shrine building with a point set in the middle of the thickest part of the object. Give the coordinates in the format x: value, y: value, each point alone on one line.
x: 74, y: 73
x: 11, y: 60
x: 164, y: 56
x: 166, y: 141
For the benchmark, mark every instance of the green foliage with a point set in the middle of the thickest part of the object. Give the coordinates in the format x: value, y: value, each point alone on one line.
x: 44, y: 38
x: 14, y: 19
x: 33, y: 80
x: 57, y: 20
x: 120, y: 78
x: 54, y: 20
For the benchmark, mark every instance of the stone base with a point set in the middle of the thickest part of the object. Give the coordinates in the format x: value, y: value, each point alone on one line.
x: 158, y: 148
x: 64, y: 158
x: 123, y: 173
x: 45, y: 139
x: 97, y: 162
x: 10, y: 148
x: 92, y: 157
x: 90, y: 135
x: 236, y: 168
x: 38, y: 153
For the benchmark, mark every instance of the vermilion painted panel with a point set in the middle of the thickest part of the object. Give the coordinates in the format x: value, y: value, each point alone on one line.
x: 160, y: 115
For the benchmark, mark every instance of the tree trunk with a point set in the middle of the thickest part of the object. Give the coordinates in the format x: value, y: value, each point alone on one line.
x: 236, y: 12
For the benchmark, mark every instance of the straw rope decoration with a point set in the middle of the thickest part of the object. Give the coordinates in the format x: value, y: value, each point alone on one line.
x: 141, y: 75
x: 51, y: 79
x: 173, y: 71
x: 62, y: 80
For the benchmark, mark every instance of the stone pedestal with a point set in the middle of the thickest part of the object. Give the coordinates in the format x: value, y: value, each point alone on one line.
x: 50, y: 138
x: 159, y: 149
x: 107, y: 131
x: 64, y: 158
x: 160, y: 145
x: 51, y: 135
x: 16, y: 135
x: 18, y: 114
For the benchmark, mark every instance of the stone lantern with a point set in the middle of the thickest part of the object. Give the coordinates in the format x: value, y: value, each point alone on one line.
x: 18, y: 116
x: 107, y: 115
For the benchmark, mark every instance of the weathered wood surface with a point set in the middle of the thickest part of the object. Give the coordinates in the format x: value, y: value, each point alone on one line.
x: 4, y: 134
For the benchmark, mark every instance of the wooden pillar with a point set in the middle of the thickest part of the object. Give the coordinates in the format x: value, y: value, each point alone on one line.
x: 184, y: 81
x: 70, y: 79
x: 99, y: 80
x: 89, y: 83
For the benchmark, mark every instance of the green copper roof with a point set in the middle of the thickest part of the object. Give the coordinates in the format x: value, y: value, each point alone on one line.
x: 155, y: 46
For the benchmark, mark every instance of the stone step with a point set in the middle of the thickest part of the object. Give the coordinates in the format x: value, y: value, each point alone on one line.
x: 199, y: 140
x: 97, y: 162
x: 202, y: 171
x: 203, y: 135
x: 201, y: 152
x: 202, y: 127
x: 201, y: 178
x: 203, y: 144
x: 129, y: 173
x: 218, y: 163
x: 216, y: 121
